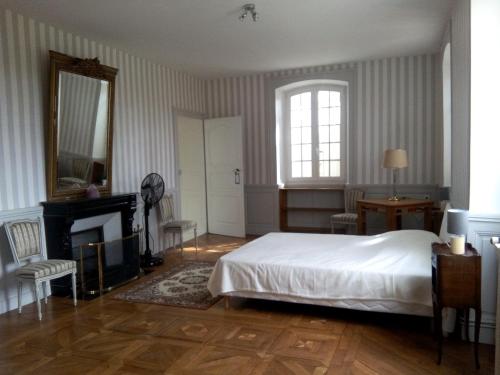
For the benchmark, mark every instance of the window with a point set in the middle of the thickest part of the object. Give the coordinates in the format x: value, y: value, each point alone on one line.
x: 313, y: 132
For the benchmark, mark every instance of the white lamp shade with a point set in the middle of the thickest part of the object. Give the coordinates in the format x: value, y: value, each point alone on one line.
x: 395, y: 158
x: 458, y: 221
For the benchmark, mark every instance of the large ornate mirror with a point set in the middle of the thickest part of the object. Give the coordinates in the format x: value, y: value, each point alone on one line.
x: 80, y: 127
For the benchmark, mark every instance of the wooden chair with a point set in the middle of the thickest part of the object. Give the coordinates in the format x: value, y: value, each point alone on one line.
x: 25, y: 242
x: 170, y: 225
x: 349, y: 217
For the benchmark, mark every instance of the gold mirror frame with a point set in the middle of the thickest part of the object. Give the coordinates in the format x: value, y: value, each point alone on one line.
x: 89, y: 68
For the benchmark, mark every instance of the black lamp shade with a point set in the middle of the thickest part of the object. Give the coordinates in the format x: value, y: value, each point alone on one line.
x: 458, y: 221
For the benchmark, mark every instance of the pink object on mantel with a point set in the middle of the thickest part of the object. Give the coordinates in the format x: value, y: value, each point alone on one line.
x: 92, y: 192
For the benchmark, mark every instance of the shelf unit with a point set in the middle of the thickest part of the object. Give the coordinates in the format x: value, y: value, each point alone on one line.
x: 285, y: 209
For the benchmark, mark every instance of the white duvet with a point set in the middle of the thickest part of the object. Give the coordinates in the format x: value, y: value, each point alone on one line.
x: 382, y: 272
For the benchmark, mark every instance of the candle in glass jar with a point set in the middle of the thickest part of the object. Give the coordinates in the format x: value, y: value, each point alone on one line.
x: 457, y: 243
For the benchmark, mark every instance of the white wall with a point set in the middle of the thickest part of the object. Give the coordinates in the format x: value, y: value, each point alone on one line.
x: 484, y: 140
x: 485, y: 107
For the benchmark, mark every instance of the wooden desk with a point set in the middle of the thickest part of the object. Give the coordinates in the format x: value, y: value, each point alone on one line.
x: 393, y: 211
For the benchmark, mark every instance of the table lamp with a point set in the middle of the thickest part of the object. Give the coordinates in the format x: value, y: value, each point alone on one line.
x: 458, y: 221
x: 395, y: 159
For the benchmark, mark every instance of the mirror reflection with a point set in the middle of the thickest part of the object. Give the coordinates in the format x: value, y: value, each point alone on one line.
x: 82, y: 119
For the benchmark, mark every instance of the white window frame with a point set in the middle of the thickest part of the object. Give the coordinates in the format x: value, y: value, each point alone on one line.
x: 315, y: 179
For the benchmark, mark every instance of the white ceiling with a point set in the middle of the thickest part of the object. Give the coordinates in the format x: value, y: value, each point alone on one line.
x: 205, y: 37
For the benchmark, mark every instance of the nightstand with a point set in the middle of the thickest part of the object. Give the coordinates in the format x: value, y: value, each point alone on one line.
x: 456, y: 283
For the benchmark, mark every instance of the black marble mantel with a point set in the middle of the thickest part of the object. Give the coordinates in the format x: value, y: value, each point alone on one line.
x: 59, y: 217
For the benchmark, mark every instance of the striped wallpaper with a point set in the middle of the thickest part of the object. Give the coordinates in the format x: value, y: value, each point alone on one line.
x: 394, y: 107
x: 146, y: 94
x: 79, y: 98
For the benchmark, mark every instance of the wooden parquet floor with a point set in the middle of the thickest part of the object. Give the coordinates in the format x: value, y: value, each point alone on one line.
x: 108, y: 336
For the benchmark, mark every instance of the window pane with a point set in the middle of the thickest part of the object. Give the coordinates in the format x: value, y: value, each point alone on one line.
x: 335, y: 168
x: 324, y: 168
x: 323, y: 118
x: 323, y: 134
x: 296, y: 155
x: 335, y: 116
x: 324, y: 151
x: 334, y: 98
x: 295, y: 103
x: 295, y: 118
x: 296, y: 169
x: 306, y: 118
x: 306, y: 152
x: 295, y: 136
x: 323, y: 99
x: 305, y: 100
x: 306, y: 135
x: 335, y: 133
x: 306, y: 169
x: 334, y: 151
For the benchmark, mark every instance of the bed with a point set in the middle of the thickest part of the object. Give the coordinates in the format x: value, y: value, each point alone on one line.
x: 389, y: 272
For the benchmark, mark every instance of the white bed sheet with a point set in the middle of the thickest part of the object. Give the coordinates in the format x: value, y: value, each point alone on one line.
x: 390, y: 272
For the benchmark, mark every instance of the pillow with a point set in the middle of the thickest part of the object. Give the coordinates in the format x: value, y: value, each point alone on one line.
x: 443, y: 233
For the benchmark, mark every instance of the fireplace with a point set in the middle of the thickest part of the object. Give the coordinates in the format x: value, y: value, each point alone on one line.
x: 72, y: 223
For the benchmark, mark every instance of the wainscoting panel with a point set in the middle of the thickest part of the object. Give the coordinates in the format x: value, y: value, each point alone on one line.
x: 481, y: 229
x: 262, y: 209
x: 8, y: 284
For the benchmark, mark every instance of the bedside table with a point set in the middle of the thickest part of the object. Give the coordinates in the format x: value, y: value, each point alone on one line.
x: 456, y: 283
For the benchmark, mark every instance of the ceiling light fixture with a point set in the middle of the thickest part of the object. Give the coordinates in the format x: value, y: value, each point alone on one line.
x: 248, y: 9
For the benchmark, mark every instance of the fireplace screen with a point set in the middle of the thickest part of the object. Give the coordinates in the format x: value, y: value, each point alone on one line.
x: 104, y: 265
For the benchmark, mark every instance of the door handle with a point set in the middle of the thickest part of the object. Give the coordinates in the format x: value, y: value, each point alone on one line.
x: 236, y: 176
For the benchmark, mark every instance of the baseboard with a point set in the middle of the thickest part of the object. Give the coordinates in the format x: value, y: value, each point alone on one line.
x: 487, y: 331
x: 10, y: 303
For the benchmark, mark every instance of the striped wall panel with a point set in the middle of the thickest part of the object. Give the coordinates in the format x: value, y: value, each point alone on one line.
x: 394, y: 107
x: 146, y: 94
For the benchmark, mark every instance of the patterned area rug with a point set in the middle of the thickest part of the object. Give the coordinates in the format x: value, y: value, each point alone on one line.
x: 184, y: 286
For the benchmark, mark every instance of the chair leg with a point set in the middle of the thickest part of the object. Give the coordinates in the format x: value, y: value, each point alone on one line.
x: 196, y: 240
x: 37, y: 297
x: 182, y: 243
x: 44, y: 289
x: 19, y: 296
x: 73, y: 285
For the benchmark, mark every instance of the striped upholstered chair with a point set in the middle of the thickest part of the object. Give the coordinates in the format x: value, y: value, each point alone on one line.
x: 349, y: 217
x: 170, y: 225
x: 26, y: 243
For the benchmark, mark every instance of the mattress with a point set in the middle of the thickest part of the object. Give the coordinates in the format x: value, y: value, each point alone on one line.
x: 390, y: 272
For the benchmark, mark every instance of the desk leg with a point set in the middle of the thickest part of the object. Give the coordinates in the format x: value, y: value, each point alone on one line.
x: 438, y: 330
x: 391, y: 219
x: 361, y: 219
x: 476, y: 334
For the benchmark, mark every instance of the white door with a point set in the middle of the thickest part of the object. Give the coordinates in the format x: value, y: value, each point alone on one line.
x: 192, y: 172
x: 225, y: 177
